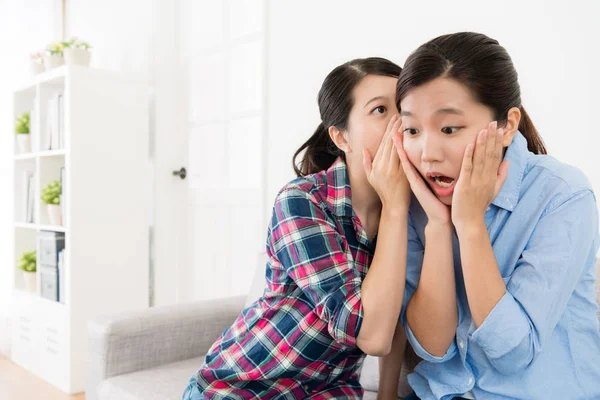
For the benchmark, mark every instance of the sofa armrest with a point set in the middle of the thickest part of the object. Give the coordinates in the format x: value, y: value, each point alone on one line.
x: 134, y: 341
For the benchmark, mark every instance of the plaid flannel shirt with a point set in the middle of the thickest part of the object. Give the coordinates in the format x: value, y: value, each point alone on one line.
x: 298, y: 340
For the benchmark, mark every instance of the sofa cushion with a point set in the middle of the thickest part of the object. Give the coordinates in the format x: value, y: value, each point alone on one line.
x: 166, y: 382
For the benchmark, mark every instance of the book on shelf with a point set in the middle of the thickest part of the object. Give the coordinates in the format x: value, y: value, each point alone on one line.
x: 55, y: 123
x: 28, y: 197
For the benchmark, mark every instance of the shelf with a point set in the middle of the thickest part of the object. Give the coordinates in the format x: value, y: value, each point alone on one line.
x: 41, y: 227
x: 61, y: 307
x: 45, y: 153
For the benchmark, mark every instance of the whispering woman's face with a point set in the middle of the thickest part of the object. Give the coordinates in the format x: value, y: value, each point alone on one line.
x: 374, y: 106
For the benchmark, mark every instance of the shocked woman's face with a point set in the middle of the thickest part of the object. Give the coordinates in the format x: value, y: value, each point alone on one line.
x: 440, y: 119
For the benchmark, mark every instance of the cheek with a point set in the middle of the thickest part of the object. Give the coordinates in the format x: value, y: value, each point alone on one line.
x: 412, y: 150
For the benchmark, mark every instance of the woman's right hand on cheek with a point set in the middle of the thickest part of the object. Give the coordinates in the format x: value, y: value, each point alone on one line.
x: 437, y: 212
x: 385, y: 172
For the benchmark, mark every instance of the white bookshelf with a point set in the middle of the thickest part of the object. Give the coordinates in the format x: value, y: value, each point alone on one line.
x: 106, y: 215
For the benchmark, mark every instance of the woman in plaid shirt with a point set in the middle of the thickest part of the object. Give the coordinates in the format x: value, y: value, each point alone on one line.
x: 331, y: 296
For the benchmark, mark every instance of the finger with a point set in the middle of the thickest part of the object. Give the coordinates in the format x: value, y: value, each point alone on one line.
x: 466, y: 168
x: 478, y: 157
x: 384, y: 142
x: 413, y: 176
x: 490, y: 164
x: 394, y: 158
x: 499, y: 145
x: 388, y: 143
x: 367, y: 162
x: 502, y: 175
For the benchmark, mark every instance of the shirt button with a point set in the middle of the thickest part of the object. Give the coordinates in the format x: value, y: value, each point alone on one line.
x: 305, y: 387
x: 470, y: 381
x: 461, y: 344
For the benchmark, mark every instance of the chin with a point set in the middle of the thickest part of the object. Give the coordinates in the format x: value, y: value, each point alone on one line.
x: 447, y: 200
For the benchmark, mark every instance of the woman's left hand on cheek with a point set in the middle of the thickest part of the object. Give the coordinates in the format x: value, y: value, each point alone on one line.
x: 481, y: 177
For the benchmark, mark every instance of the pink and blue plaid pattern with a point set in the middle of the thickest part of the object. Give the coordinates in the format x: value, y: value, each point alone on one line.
x: 299, y: 340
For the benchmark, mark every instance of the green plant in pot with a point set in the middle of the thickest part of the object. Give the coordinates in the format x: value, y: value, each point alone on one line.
x: 54, y: 55
x: 27, y: 264
x: 22, y: 128
x: 77, y: 52
x: 51, y: 197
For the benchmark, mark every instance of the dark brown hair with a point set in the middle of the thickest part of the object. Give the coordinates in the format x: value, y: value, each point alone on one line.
x: 481, y: 64
x: 335, y: 102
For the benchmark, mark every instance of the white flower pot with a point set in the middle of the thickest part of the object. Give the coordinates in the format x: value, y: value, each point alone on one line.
x: 37, y: 67
x: 30, y: 281
x: 54, y: 214
x: 77, y: 57
x: 24, y: 142
x: 53, y: 61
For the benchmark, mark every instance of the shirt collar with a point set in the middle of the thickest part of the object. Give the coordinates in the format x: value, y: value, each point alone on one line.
x: 339, y: 194
x: 518, y: 154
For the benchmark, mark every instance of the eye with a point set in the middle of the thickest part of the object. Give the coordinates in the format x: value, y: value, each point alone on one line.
x: 450, y: 129
x: 411, y: 131
x: 379, y: 110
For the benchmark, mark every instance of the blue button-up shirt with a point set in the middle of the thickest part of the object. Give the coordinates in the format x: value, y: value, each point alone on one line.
x: 542, y: 340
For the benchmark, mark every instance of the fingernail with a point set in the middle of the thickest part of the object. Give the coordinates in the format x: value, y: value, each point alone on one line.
x: 495, y: 124
x: 500, y: 131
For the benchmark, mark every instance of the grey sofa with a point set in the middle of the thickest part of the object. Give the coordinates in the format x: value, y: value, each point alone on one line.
x: 151, y: 354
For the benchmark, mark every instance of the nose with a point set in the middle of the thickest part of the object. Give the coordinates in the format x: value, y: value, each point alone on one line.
x: 432, y: 149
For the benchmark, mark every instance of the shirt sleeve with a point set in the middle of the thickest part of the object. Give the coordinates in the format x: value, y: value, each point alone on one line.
x: 308, y: 245
x: 414, y: 265
x: 541, y: 285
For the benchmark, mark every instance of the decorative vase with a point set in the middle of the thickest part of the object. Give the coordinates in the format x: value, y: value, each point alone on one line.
x: 54, y: 214
x: 75, y: 56
x: 24, y: 142
x: 37, y: 67
x: 30, y: 281
x: 53, y: 61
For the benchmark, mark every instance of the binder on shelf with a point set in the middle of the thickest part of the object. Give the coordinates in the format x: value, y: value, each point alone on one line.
x: 61, y: 277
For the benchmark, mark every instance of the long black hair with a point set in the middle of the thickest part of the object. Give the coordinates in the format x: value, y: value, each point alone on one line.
x: 335, y: 102
x: 481, y: 64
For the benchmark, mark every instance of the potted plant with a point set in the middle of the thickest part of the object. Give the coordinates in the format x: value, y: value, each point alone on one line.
x: 54, y: 55
x: 51, y: 197
x: 37, y: 62
x: 77, y: 52
x: 22, y: 130
x: 27, y: 264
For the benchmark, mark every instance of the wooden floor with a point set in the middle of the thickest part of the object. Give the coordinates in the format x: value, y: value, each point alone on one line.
x: 19, y: 384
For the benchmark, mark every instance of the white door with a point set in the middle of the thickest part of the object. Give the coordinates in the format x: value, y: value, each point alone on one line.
x: 209, y: 104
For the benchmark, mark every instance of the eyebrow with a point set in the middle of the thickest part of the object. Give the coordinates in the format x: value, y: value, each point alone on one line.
x: 374, y: 99
x: 448, y: 110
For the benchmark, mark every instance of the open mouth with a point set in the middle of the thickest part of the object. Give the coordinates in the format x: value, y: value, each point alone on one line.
x: 442, y: 185
x: 442, y: 180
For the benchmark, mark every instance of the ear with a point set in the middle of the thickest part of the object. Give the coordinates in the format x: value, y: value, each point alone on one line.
x: 512, y: 125
x: 340, y: 139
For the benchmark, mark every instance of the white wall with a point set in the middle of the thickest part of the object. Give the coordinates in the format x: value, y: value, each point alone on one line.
x: 554, y: 45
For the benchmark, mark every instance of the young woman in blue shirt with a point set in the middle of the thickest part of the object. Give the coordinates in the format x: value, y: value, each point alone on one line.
x: 499, y: 298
